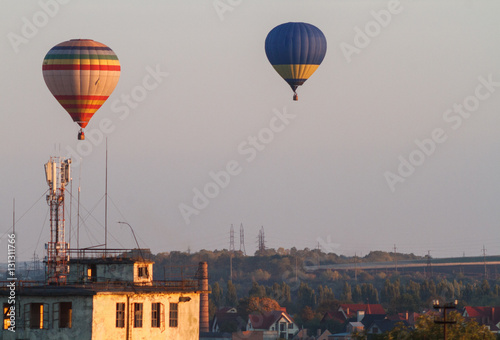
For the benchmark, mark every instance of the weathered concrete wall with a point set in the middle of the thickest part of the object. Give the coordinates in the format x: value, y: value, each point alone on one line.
x: 104, y: 316
x: 81, y: 319
x: 115, y: 272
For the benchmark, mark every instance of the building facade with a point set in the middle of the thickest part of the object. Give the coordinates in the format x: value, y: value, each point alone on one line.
x: 110, y: 298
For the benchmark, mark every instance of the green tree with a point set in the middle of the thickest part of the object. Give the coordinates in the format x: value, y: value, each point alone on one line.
x: 257, y: 290
x: 356, y: 294
x: 231, y: 296
x: 346, y: 293
x: 369, y: 293
x: 306, y: 296
x: 217, y: 295
x: 325, y: 294
x: 426, y: 328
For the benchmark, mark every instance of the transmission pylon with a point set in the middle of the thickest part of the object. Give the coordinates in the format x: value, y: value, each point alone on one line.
x: 231, y: 239
x: 242, y: 240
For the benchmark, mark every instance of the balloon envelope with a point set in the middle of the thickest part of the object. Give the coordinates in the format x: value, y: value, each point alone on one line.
x: 295, y: 49
x: 81, y: 74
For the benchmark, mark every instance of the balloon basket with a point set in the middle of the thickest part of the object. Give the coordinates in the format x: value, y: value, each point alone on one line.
x: 81, y: 135
x: 295, y: 97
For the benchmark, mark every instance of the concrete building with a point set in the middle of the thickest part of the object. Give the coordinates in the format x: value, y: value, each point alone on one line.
x: 106, y: 298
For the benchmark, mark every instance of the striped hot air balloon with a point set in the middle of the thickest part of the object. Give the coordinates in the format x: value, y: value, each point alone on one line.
x: 295, y: 50
x: 81, y: 74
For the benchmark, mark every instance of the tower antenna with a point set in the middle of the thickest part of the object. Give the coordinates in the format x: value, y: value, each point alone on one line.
x: 106, y: 204
x: 57, y: 173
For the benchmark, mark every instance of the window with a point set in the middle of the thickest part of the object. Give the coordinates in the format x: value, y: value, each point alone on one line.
x: 36, y: 315
x: 62, y: 314
x: 6, y: 316
x: 143, y: 271
x: 173, y: 315
x: 155, y: 314
x: 290, y: 325
x: 283, y: 330
x: 120, y: 314
x: 137, y: 315
x: 92, y: 273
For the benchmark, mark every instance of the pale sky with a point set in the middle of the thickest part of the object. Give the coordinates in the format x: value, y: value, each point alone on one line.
x: 343, y: 167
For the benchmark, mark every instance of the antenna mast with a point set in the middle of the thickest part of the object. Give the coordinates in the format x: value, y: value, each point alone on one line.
x: 106, y: 204
x: 57, y: 173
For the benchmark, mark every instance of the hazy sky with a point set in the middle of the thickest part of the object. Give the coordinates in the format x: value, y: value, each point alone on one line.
x: 394, y: 140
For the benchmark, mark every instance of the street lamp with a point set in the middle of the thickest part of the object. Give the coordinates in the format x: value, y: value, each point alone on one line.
x: 133, y: 234
x: 450, y: 305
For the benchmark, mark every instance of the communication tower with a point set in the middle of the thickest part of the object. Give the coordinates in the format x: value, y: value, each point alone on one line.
x: 57, y: 173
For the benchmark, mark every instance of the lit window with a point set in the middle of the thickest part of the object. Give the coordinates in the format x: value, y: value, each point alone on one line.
x: 137, y: 315
x: 6, y: 317
x: 120, y: 314
x: 173, y: 315
x: 36, y: 315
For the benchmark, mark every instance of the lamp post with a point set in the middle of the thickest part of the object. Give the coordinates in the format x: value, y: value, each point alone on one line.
x: 133, y: 234
x: 450, y: 305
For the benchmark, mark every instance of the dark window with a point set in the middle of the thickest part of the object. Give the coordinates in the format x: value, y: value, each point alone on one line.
x: 66, y: 314
x: 137, y: 315
x: 173, y: 315
x: 143, y: 271
x: 62, y: 314
x: 155, y: 314
x: 120, y: 314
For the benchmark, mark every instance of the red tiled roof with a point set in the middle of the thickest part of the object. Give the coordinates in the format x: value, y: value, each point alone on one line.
x: 483, y: 314
x: 367, y: 308
x: 335, y: 315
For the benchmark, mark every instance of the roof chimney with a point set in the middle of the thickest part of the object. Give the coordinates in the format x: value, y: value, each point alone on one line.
x: 203, y: 286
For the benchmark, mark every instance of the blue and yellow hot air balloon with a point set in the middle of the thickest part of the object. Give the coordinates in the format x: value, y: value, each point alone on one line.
x: 295, y: 50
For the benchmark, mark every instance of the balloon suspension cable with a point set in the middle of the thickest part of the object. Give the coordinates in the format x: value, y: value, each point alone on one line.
x: 81, y: 135
x: 295, y: 96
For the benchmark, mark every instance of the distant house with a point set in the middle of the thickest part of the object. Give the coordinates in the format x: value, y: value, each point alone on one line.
x: 487, y: 316
x: 277, y: 321
x: 303, y: 335
x: 384, y: 325
x: 358, y: 318
x: 336, y: 316
x: 227, y: 320
x: 350, y: 310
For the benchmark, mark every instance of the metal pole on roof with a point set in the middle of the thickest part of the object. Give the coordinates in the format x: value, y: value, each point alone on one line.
x: 133, y: 234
